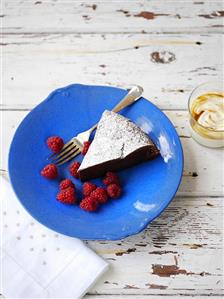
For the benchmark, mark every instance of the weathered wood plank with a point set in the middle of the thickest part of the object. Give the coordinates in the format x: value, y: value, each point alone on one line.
x: 112, y: 16
x: 138, y: 297
x: 203, y: 167
x: 182, y: 251
x: 124, y: 296
x: 147, y: 296
x: 36, y: 64
x: 179, y: 253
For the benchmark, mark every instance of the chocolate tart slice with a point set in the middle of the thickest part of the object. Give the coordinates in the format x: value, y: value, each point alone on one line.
x: 118, y: 144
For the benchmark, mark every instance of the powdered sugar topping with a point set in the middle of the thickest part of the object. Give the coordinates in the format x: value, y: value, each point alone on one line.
x: 116, y: 137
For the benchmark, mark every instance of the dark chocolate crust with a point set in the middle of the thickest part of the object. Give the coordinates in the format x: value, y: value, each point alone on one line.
x: 141, y: 155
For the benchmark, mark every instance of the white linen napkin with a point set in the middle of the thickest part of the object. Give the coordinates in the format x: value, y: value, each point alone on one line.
x: 37, y: 262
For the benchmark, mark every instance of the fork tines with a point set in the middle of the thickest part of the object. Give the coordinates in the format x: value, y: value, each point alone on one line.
x: 68, y: 152
x: 74, y: 151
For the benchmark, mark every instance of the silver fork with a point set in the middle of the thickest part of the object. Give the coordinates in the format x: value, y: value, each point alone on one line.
x: 73, y: 147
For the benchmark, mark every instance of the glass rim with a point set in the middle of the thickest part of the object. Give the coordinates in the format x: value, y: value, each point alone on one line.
x: 188, y: 104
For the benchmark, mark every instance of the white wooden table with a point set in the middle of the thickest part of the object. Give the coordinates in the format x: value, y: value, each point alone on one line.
x: 49, y: 44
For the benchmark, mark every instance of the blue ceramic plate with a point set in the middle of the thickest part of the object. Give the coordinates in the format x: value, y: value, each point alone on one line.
x: 147, y: 188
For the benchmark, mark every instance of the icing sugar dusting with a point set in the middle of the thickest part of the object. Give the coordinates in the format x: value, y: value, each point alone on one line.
x: 116, y: 137
x: 143, y: 207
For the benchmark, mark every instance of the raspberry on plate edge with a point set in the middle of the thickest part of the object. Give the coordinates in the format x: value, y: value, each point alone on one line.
x: 111, y: 178
x: 88, y: 188
x: 114, y: 191
x: 86, y: 146
x: 64, y: 184
x: 67, y: 196
x: 50, y: 171
x: 100, y: 195
x: 88, y: 204
x: 55, y: 143
x: 73, y: 168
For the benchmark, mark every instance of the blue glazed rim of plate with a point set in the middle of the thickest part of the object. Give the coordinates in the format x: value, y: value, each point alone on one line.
x: 162, y: 208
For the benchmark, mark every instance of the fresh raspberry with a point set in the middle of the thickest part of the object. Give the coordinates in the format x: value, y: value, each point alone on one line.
x: 114, y: 191
x: 74, y: 169
x: 50, y: 171
x: 67, y: 196
x: 111, y: 178
x: 55, y: 143
x: 88, y: 188
x: 88, y: 204
x: 86, y: 147
x: 100, y: 195
x: 66, y: 183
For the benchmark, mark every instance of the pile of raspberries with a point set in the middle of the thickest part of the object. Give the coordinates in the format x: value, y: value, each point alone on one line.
x: 93, y: 196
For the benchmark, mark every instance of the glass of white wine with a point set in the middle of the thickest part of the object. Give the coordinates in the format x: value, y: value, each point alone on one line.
x: 206, y: 114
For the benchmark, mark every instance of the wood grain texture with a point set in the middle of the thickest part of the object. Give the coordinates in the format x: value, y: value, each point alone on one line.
x: 100, y: 296
x: 124, y: 296
x: 179, y: 253
x: 112, y: 16
x: 168, y: 47
x: 203, y: 175
x: 167, y: 66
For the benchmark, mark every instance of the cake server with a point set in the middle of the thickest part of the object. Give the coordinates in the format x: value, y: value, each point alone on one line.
x: 73, y: 147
